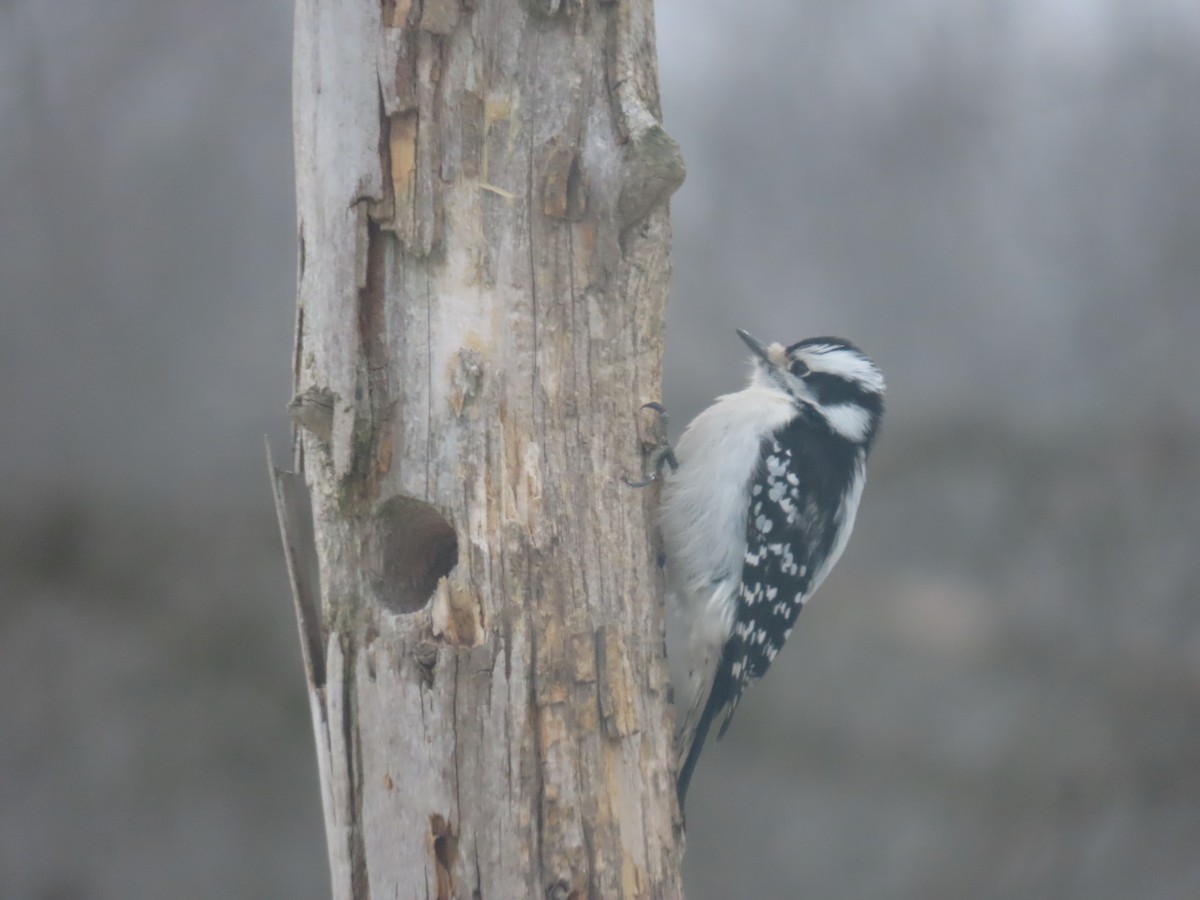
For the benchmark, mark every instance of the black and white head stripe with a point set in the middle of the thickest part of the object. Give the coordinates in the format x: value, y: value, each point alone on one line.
x: 837, y: 380
x: 831, y: 360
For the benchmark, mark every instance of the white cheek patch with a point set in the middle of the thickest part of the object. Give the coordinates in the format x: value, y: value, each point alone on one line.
x: 846, y: 364
x: 849, y: 420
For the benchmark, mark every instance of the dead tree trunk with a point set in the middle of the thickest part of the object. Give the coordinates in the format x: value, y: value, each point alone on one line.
x: 484, y: 244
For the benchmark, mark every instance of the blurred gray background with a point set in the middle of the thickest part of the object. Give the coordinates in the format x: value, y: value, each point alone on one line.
x: 997, y: 694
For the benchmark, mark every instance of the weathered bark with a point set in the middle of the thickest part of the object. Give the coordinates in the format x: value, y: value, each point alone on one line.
x: 483, y: 276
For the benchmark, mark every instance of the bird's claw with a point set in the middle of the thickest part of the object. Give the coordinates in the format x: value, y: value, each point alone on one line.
x: 656, y: 449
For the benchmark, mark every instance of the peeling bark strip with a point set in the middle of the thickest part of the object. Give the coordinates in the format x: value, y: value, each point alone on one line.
x: 481, y: 189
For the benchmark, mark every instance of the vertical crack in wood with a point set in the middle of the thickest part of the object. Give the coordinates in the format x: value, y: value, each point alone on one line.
x: 430, y: 428
x: 427, y: 205
x: 590, y: 852
x: 443, y: 846
x: 454, y: 718
x: 537, y: 795
x: 581, y: 442
x: 372, y: 456
x: 530, y: 206
x: 614, y: 683
x: 563, y: 194
x: 297, y: 355
x: 352, y: 744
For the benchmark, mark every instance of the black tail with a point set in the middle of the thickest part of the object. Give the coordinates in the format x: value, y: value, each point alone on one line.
x: 718, y: 699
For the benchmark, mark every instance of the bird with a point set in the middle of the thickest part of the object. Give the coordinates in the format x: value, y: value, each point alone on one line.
x: 756, y: 508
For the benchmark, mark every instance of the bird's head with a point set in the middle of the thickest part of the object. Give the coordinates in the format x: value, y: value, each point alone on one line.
x: 828, y: 374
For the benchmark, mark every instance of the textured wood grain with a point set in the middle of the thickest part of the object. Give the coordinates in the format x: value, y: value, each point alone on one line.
x: 481, y: 193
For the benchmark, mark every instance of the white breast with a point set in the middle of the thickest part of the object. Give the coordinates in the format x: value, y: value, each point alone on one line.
x: 704, y: 505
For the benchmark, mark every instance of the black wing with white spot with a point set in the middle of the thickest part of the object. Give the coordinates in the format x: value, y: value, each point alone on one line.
x: 791, y: 527
x: 797, y: 508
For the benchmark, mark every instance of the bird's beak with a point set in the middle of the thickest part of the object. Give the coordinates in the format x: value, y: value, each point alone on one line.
x: 760, y: 349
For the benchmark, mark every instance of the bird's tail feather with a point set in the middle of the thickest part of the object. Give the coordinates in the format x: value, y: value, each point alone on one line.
x: 692, y: 732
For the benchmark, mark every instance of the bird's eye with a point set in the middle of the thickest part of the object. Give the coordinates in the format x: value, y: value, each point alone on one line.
x: 798, y: 368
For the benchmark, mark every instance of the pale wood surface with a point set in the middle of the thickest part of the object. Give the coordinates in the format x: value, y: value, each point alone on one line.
x: 483, y: 277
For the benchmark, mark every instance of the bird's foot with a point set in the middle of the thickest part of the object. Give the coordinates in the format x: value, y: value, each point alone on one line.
x: 657, y: 452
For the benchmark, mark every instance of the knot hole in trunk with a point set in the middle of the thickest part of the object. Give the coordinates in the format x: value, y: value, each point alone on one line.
x: 418, y: 547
